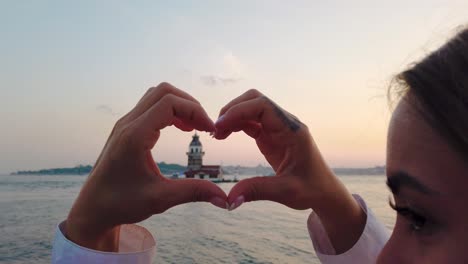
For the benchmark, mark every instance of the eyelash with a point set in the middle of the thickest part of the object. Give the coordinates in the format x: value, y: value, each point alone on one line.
x: 417, y: 220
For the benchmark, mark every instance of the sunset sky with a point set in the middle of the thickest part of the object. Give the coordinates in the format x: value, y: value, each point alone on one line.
x: 70, y: 69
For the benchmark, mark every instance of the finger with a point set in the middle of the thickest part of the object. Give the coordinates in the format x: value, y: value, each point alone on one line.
x: 271, y: 188
x: 181, y: 125
x: 152, y: 164
x: 249, y: 95
x: 250, y: 128
x: 261, y: 110
x: 194, y: 190
x: 154, y: 94
x: 144, y: 131
x: 171, y: 108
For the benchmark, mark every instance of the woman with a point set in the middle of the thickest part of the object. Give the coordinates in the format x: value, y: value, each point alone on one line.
x: 427, y: 168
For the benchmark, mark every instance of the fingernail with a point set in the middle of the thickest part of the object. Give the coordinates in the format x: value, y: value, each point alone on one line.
x: 219, y: 119
x: 221, y: 203
x: 237, y: 202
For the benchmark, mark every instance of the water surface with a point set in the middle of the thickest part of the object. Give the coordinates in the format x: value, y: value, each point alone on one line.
x: 260, y: 232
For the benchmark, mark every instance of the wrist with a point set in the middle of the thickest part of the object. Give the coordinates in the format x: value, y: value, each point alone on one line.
x: 91, y: 234
x: 340, y: 214
x: 89, y: 222
x: 324, y: 188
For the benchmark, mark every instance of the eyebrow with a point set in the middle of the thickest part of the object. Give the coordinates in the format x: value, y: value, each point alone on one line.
x: 402, y: 179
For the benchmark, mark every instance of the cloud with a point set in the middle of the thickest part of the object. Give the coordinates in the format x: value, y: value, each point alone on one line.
x: 105, y: 109
x: 226, y: 69
x: 213, y: 80
x: 232, y: 64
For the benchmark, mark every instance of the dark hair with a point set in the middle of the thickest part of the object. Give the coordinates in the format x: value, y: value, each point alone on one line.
x: 439, y: 83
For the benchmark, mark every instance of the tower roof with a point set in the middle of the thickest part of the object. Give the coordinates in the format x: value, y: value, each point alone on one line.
x: 195, y: 141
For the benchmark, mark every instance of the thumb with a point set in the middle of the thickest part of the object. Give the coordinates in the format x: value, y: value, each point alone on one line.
x: 194, y: 190
x: 271, y: 188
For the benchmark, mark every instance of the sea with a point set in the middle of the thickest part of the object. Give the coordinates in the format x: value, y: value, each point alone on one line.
x: 259, y: 232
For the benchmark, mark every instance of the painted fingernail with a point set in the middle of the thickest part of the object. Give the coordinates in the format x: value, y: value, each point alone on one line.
x: 221, y: 203
x: 237, y: 202
x: 219, y: 119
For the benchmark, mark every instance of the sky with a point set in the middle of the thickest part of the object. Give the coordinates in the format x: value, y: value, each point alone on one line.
x: 70, y: 69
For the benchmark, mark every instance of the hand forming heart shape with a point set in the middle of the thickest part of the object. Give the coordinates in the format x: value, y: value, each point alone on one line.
x: 126, y: 186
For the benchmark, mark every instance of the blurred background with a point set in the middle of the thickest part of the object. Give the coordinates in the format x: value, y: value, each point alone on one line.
x: 70, y: 69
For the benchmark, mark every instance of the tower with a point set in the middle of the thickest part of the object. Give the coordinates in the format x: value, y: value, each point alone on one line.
x: 195, y: 154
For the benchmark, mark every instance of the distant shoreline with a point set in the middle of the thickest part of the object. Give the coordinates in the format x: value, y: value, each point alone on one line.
x: 165, y: 168
x: 170, y: 169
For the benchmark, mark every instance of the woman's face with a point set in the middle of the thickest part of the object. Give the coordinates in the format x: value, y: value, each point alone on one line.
x: 429, y: 182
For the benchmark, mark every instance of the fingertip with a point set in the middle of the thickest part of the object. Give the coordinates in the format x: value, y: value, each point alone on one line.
x: 221, y: 124
x: 260, y: 188
x: 210, y: 127
x: 221, y: 134
x: 195, y: 190
x: 238, y: 201
x: 208, y: 124
x: 237, y: 191
x: 214, y: 190
x: 219, y: 202
x: 220, y: 119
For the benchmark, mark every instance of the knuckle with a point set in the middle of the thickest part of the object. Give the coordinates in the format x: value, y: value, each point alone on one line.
x: 265, y: 102
x: 265, y: 99
x: 120, y: 124
x: 167, y: 98
x: 254, y: 189
x: 163, y: 84
x: 150, y: 90
x: 254, y: 92
x: 164, y: 87
x: 126, y: 135
x: 197, y: 102
x: 223, y: 110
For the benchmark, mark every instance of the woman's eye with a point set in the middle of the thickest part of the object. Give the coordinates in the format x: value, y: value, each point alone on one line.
x: 417, y: 221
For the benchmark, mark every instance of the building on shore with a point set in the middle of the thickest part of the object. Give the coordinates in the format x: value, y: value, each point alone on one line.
x: 195, y: 167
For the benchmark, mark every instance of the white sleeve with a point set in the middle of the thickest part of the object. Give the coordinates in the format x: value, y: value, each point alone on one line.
x: 366, y: 249
x: 136, y: 245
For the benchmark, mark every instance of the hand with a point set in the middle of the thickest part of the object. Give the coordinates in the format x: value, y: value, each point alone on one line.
x: 125, y: 185
x: 286, y: 144
x: 303, y: 180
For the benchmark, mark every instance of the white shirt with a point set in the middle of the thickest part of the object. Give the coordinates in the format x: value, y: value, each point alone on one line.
x: 367, y: 248
x: 137, y: 245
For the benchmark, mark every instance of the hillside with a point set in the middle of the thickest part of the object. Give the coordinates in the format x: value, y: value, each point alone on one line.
x: 86, y: 169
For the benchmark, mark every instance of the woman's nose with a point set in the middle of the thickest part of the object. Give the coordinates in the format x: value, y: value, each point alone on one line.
x: 393, y: 252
